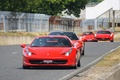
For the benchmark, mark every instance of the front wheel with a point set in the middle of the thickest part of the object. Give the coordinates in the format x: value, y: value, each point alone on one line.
x: 26, y: 67
x: 96, y: 40
x: 76, y: 63
x: 82, y: 51
x: 79, y: 64
x: 111, y: 40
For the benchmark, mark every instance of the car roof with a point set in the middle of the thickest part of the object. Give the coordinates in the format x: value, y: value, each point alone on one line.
x: 60, y: 36
x: 61, y: 32
x: 88, y: 32
x: 103, y: 30
x: 71, y: 35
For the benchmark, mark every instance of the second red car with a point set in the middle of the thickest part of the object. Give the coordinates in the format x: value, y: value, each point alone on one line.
x: 88, y: 37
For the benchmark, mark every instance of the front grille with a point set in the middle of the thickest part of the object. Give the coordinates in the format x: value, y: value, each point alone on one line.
x: 53, y: 62
x: 103, y: 38
x: 36, y: 61
x: 60, y: 61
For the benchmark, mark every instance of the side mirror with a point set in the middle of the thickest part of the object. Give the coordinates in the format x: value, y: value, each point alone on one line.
x: 23, y: 45
x: 74, y: 44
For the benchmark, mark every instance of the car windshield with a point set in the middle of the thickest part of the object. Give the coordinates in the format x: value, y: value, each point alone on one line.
x: 87, y: 33
x: 51, y: 42
x: 103, y: 32
x: 71, y: 35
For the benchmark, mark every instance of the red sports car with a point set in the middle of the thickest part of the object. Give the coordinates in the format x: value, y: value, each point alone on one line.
x: 104, y: 35
x: 51, y: 51
x: 88, y: 37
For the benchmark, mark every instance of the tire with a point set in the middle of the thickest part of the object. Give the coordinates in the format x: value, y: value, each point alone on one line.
x: 96, y: 41
x: 82, y: 50
x: 83, y: 53
x: 75, y: 67
x: 79, y: 64
x: 26, y: 67
x: 112, y: 41
x: 76, y: 63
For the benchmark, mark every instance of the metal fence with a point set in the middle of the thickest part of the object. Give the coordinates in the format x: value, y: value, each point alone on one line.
x: 12, y: 21
x: 28, y: 22
x: 95, y: 24
x: 65, y: 24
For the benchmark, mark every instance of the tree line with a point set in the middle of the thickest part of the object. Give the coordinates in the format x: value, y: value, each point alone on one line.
x: 49, y: 7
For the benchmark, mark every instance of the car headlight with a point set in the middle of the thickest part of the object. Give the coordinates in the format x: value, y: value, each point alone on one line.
x: 83, y: 37
x: 68, y: 52
x: 111, y: 35
x: 28, y: 52
x: 95, y: 35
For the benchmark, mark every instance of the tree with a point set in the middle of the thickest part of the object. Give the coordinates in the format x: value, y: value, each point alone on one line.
x: 19, y: 6
x: 49, y: 7
x: 57, y: 6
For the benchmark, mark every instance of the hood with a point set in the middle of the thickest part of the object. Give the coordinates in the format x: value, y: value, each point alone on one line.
x: 89, y: 36
x: 74, y: 41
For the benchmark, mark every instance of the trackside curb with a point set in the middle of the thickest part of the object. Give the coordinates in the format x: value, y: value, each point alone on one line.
x: 69, y: 76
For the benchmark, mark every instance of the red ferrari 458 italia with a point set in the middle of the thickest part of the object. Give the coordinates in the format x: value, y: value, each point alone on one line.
x: 51, y: 51
x: 88, y: 37
x: 104, y: 35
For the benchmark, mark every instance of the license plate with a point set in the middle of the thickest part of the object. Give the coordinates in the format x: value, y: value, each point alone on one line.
x: 47, y: 61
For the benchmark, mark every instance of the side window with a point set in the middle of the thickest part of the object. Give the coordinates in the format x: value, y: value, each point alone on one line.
x: 75, y: 37
x: 66, y: 42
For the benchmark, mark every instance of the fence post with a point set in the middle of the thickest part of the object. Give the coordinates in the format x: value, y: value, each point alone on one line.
x: 4, y: 24
x: 95, y: 24
x: 113, y: 22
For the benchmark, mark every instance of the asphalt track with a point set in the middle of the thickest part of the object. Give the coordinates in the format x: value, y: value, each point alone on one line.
x: 11, y: 62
